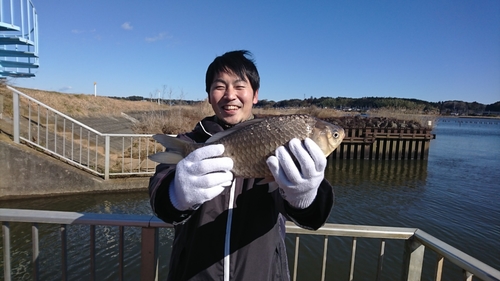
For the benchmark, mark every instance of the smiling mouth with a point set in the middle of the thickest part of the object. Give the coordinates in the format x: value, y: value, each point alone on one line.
x: 230, y: 107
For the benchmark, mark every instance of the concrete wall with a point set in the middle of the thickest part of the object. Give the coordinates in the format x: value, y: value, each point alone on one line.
x: 26, y: 172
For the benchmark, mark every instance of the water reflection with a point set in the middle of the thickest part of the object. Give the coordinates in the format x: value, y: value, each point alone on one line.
x: 378, y: 173
x: 373, y: 192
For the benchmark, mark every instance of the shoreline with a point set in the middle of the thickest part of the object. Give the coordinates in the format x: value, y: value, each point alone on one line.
x: 470, y: 117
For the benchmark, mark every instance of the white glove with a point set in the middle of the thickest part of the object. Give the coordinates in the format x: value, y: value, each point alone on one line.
x: 199, y: 177
x: 298, y: 186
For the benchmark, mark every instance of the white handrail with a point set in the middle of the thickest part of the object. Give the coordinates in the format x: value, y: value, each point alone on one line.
x: 55, y: 111
x: 90, y: 141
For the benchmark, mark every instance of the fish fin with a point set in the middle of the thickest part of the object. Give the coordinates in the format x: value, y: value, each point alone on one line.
x: 171, y: 143
x: 237, y: 127
x: 175, y: 149
x: 272, y: 186
x: 166, y: 157
x: 266, y: 180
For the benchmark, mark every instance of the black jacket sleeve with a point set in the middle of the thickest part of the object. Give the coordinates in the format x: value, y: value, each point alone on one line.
x: 316, y: 215
x: 159, y: 196
x: 159, y: 184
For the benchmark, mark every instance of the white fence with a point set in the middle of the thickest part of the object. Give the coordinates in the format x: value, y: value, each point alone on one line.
x: 106, y: 155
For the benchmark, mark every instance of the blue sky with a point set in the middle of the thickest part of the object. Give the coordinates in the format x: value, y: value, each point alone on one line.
x: 430, y: 50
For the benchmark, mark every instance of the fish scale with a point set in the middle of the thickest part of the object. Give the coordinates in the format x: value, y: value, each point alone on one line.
x: 250, y: 143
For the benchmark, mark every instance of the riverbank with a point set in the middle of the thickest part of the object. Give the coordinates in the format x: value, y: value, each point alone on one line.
x: 28, y: 173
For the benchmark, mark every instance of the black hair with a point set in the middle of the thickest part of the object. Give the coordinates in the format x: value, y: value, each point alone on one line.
x: 239, y: 62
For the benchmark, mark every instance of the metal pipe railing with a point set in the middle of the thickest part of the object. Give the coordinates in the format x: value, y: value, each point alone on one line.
x: 416, y: 242
x: 470, y: 265
x: 70, y: 140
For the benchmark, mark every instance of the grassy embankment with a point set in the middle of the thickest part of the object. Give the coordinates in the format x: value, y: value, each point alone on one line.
x: 171, y: 119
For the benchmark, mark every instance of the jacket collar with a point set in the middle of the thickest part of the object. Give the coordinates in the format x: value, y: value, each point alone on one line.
x: 209, y: 126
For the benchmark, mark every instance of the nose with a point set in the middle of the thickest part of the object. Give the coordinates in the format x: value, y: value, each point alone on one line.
x: 230, y: 93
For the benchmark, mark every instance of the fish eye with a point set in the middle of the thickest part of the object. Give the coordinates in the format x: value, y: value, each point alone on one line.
x: 336, y: 135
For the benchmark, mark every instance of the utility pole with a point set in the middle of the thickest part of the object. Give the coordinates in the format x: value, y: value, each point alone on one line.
x: 95, y: 89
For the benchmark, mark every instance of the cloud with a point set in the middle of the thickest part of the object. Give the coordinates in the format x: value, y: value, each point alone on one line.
x: 65, y: 88
x: 127, y: 26
x: 160, y: 36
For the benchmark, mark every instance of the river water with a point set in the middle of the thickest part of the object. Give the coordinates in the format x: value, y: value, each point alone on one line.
x: 454, y: 196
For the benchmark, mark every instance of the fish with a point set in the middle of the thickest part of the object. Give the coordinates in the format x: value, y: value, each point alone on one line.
x: 250, y: 143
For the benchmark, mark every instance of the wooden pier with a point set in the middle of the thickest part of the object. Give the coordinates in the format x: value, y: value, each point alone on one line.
x: 384, y: 143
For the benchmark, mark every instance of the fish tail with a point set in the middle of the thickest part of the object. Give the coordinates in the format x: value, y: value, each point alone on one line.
x: 176, y: 149
x: 171, y: 143
x: 166, y: 157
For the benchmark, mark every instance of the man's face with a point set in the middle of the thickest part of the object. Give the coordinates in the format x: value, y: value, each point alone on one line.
x: 232, y: 98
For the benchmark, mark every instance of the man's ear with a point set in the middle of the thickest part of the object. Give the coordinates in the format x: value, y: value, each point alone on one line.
x: 255, y: 97
x: 209, y: 99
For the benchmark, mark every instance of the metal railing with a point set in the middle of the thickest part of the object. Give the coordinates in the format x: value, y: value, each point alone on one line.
x: 61, y: 136
x: 416, y: 241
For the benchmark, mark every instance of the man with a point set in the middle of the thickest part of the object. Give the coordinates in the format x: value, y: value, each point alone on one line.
x: 230, y: 228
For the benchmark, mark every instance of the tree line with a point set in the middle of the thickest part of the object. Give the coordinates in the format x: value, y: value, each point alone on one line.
x: 367, y: 103
x: 363, y: 104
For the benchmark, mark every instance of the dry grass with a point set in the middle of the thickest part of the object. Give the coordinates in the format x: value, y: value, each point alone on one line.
x: 173, y: 120
x: 84, y: 105
x: 6, y: 97
x: 313, y: 111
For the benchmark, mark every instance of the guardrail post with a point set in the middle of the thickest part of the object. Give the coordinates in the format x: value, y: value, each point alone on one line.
x: 36, y: 251
x: 15, y: 108
x: 149, y: 253
x: 6, y: 251
x: 413, y: 260
x: 106, y: 157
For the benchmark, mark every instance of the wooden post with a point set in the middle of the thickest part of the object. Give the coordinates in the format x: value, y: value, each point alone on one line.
x: 384, y: 143
x: 406, y: 148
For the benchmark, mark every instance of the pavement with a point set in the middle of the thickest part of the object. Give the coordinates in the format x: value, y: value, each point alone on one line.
x: 110, y: 125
